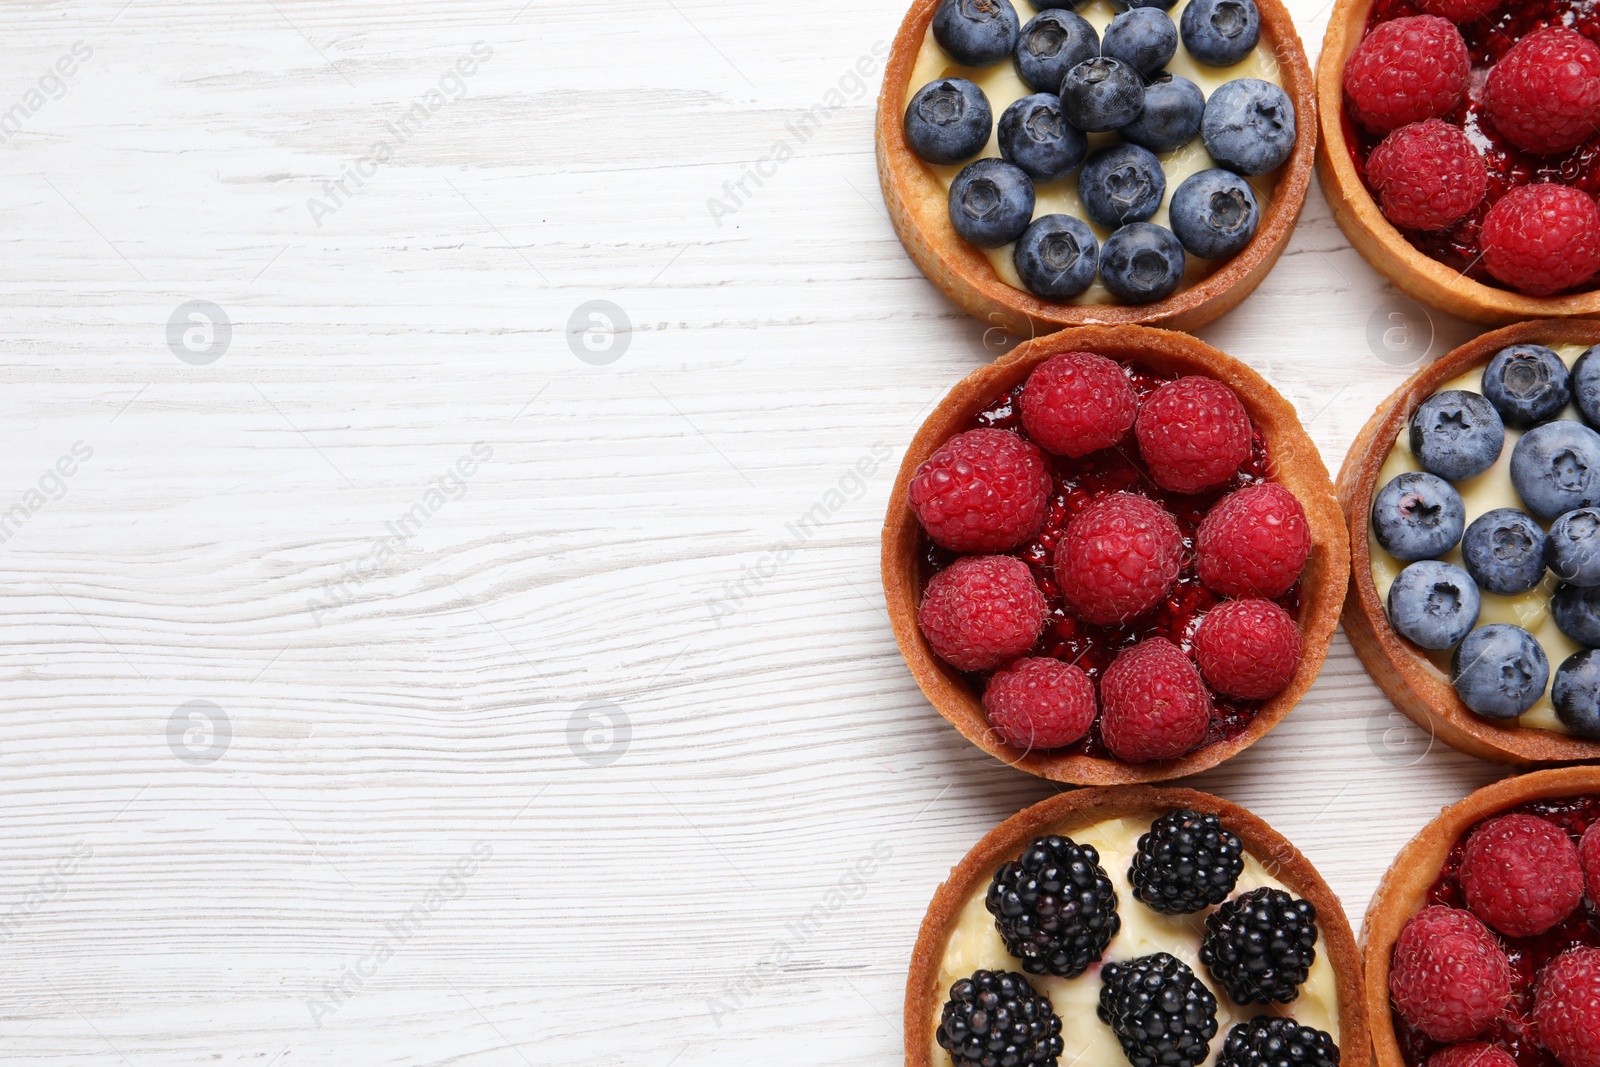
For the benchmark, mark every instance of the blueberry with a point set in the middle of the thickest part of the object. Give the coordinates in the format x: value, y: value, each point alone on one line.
x: 1556, y: 468
x: 1417, y: 516
x: 1586, y: 385
x: 1173, y: 108
x: 1456, y: 434
x: 1142, y: 37
x: 1037, y: 137
x: 1433, y: 604
x: 1576, y: 611
x: 991, y: 202
x: 1123, y: 5
x: 1527, y: 384
x: 976, y: 33
x: 1576, y: 694
x: 1102, y: 94
x: 1141, y: 263
x: 1057, y: 257
x: 1573, y: 551
x: 1249, y: 125
x: 1052, y: 43
x: 1214, y: 213
x: 1504, y: 551
x: 1499, y: 671
x: 1219, y: 33
x: 1121, y: 183
x: 948, y: 120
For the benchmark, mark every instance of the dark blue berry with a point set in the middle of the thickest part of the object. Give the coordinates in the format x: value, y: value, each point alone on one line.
x: 1556, y: 468
x: 1162, y: 1014
x: 948, y: 120
x: 1052, y: 43
x: 991, y: 202
x: 1102, y: 94
x: 1219, y: 33
x: 1576, y: 694
x: 1173, y: 108
x: 1214, y: 213
x: 1121, y: 183
x: 976, y: 33
x: 1057, y: 257
x: 1143, y: 37
x: 1417, y: 516
x: 1586, y: 385
x: 1499, y: 671
x: 1037, y: 137
x: 1456, y: 434
x: 1249, y: 125
x: 1433, y: 604
x: 997, y: 1017
x: 1576, y: 611
x: 1504, y: 551
x: 1054, y: 906
x: 1141, y: 263
x: 1573, y: 551
x: 1527, y: 384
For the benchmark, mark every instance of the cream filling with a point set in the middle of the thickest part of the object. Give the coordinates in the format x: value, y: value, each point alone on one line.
x: 1001, y: 85
x: 1489, y: 490
x: 975, y: 944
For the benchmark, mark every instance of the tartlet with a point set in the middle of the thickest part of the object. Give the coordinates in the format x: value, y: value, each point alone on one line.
x: 1296, y: 465
x: 1415, y: 685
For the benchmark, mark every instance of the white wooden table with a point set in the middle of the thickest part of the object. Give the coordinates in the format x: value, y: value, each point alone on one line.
x: 545, y: 690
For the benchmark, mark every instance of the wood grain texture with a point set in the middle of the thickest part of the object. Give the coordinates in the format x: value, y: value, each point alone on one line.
x: 685, y: 534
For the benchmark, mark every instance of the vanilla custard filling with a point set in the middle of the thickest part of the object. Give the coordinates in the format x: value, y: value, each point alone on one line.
x: 975, y: 944
x: 1489, y: 490
x: 1003, y: 87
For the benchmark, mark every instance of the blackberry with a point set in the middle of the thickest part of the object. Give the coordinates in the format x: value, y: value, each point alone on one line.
x: 1054, y: 907
x: 1260, y: 946
x: 1186, y: 862
x: 1161, y: 1013
x: 996, y: 1019
x: 1270, y: 1042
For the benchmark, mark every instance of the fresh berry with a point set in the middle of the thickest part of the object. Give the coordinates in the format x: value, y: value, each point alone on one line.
x: 1122, y: 183
x: 1449, y: 977
x: 991, y: 202
x: 1504, y: 551
x: 1185, y: 863
x: 1214, y: 213
x: 1589, y: 855
x: 1039, y: 703
x: 1473, y: 1054
x: 1254, y: 543
x: 1173, y: 108
x: 1037, y: 137
x: 1456, y: 434
x: 1576, y: 612
x: 1162, y: 1014
x: 1527, y: 384
x: 1054, y: 906
x: 997, y: 1017
x: 1576, y: 694
x: 1406, y: 70
x: 1567, y: 1008
x: 1541, y: 239
x: 1586, y: 385
x: 1154, y: 704
x: 1193, y: 433
x: 1555, y: 468
x: 1142, y: 37
x: 1499, y: 671
x: 1118, y: 558
x: 1260, y: 946
x: 1574, y: 547
x: 1141, y: 263
x: 1248, y: 648
x: 1052, y: 43
x: 1077, y: 403
x: 1417, y: 515
x: 949, y: 120
x: 1433, y: 604
x: 984, y: 490
x: 976, y: 33
x: 1461, y: 10
x: 1266, y: 1041
x: 1427, y: 175
x: 1544, y: 94
x: 982, y: 611
x: 1521, y: 875
x: 1249, y: 124
x: 1057, y: 256
x: 1102, y: 94
x: 1219, y: 33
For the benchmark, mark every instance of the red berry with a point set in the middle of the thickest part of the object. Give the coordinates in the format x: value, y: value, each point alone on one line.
x: 1542, y: 239
x: 1077, y: 403
x: 982, y: 611
x: 1248, y: 648
x: 1450, y: 977
x: 1427, y: 175
x: 1521, y: 875
x: 1406, y: 70
x: 1254, y: 542
x: 1476, y: 1054
x: 1460, y: 10
x: 982, y: 491
x: 1589, y: 856
x: 1117, y: 558
x: 1567, y: 1008
x: 1040, y: 703
x: 1193, y: 433
x: 1154, y: 704
x: 1544, y: 94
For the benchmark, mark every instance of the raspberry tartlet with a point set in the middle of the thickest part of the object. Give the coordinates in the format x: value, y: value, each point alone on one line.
x: 1192, y: 934
x: 1468, y: 510
x: 1166, y: 569
x: 1482, y: 943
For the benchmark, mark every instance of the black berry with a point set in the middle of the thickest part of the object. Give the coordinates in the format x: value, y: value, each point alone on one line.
x: 996, y: 1019
x: 1186, y: 862
x: 1161, y: 1013
x: 1271, y: 1042
x: 1054, y: 907
x: 1260, y: 946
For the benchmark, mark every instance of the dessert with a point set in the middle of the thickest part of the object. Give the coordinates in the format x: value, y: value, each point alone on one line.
x: 1132, y: 570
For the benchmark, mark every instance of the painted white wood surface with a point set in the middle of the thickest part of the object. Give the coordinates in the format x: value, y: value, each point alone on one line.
x: 401, y: 709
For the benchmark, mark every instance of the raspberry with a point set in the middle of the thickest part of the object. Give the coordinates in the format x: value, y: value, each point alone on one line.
x: 1450, y: 978
x: 1077, y: 403
x: 1040, y: 703
x: 982, y: 491
x: 1406, y: 70
x: 1117, y: 558
x: 1567, y: 1008
x: 1542, y: 239
x: 1521, y: 875
x: 982, y: 611
x: 1248, y: 648
x: 1154, y: 704
x: 1427, y: 175
x: 1254, y: 543
x: 1544, y: 94
x: 1476, y: 1054
x: 1460, y: 10
x: 1589, y: 855
x: 1194, y: 433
